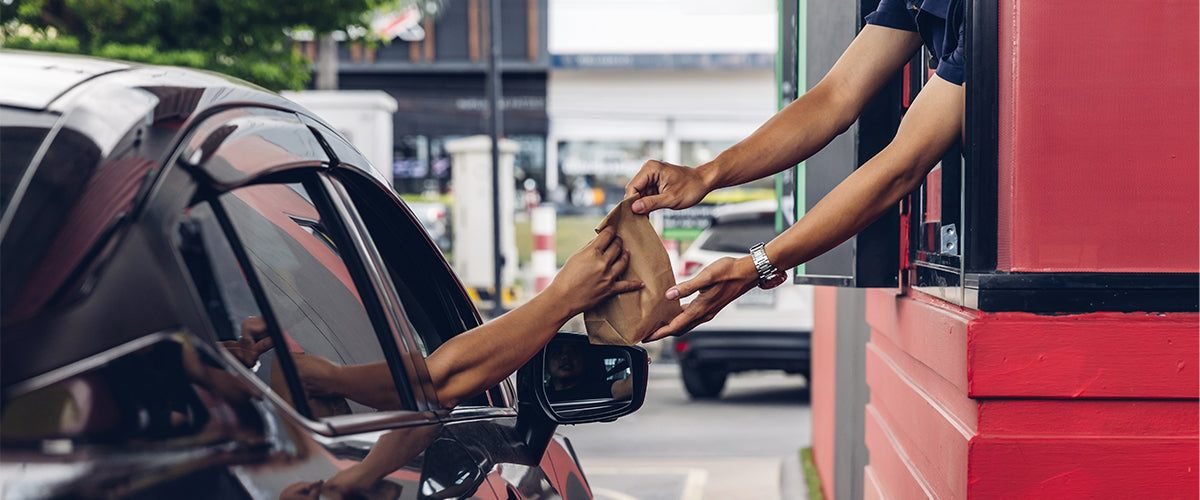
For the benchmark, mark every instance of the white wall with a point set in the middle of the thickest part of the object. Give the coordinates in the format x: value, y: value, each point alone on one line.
x: 720, y: 104
x: 661, y: 26
x: 703, y: 104
x: 667, y: 107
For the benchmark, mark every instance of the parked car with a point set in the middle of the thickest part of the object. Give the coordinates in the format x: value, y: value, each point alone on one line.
x: 176, y: 246
x: 761, y: 330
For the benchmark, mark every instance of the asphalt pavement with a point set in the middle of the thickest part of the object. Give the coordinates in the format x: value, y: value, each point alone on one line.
x: 744, y: 445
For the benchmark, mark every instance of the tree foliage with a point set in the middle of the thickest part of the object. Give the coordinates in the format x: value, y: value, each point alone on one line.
x: 243, y: 38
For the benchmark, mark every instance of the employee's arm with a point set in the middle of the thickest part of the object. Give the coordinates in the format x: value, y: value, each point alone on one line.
x: 931, y: 125
x: 792, y: 135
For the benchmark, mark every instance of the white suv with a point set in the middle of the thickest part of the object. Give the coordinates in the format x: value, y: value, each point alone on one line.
x: 761, y: 330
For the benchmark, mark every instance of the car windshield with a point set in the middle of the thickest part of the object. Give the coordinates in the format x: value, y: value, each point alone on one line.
x: 736, y: 237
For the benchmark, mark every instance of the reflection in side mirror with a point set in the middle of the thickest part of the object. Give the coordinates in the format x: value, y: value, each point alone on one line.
x: 582, y: 382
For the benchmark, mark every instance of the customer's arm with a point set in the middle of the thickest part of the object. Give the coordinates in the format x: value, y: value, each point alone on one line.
x: 476, y: 360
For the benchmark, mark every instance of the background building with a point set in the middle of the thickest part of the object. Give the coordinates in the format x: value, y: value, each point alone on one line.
x: 675, y: 80
x: 437, y: 72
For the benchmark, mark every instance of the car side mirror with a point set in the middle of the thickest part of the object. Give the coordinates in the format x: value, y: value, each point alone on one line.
x: 573, y: 381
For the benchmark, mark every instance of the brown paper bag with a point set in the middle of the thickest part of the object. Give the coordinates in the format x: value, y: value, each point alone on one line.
x: 627, y: 318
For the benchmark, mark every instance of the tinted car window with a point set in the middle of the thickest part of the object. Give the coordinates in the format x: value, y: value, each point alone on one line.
x: 21, y: 132
x: 298, y: 262
x: 228, y: 299
x: 158, y: 393
x: 739, y: 236
x: 433, y: 304
x: 432, y: 299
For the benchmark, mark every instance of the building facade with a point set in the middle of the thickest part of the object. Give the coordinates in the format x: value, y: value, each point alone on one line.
x: 675, y: 80
x: 437, y: 71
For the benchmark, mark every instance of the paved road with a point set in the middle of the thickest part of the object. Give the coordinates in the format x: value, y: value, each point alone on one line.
x: 742, y: 446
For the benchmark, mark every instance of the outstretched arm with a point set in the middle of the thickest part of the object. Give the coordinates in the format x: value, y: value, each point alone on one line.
x: 792, y: 135
x: 476, y: 360
x: 931, y: 125
x: 473, y: 361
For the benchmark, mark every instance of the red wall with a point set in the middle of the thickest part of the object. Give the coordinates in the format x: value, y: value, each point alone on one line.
x: 973, y: 405
x: 919, y: 421
x: 822, y: 386
x: 1099, y: 136
x: 1085, y: 406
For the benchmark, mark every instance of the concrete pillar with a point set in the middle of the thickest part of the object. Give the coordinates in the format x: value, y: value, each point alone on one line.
x: 471, y: 178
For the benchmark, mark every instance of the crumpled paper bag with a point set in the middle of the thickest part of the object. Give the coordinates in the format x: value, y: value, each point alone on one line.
x: 628, y: 318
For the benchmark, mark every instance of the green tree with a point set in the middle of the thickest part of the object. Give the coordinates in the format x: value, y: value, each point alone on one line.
x: 247, y: 39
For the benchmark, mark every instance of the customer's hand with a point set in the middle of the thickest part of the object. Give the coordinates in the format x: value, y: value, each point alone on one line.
x: 593, y: 273
x: 247, y: 350
x: 719, y: 284
x: 664, y: 185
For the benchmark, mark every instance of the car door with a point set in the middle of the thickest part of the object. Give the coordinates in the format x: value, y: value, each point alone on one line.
x: 290, y: 292
x: 436, y: 308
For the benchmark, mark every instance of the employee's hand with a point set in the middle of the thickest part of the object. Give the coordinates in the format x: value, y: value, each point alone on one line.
x: 593, y: 273
x: 719, y: 284
x: 664, y: 185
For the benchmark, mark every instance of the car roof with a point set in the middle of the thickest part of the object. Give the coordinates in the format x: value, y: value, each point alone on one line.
x: 117, y: 125
x: 117, y: 94
x: 744, y: 211
x: 35, y: 79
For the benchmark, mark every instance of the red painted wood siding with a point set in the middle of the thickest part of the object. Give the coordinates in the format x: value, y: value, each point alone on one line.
x: 823, y: 387
x: 972, y: 405
x: 919, y: 420
x: 1099, y: 140
x: 1099, y: 355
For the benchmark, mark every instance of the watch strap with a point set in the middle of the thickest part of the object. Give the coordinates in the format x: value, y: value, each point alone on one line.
x: 769, y: 276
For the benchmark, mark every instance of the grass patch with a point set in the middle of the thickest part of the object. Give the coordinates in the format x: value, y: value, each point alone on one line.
x: 571, y: 233
x: 811, y: 480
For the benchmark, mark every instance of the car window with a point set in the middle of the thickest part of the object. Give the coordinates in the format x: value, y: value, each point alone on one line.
x: 21, y: 133
x: 432, y: 299
x: 739, y: 236
x: 153, y: 393
x: 294, y: 251
x: 433, y: 303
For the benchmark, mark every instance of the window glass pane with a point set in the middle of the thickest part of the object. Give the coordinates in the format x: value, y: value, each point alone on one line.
x: 434, y: 306
x: 159, y: 396
x: 228, y: 301
x: 298, y: 262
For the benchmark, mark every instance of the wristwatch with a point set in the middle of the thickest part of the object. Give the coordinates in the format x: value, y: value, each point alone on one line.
x: 768, y: 275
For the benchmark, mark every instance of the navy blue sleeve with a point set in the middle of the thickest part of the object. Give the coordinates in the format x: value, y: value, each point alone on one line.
x: 952, y: 67
x: 892, y: 14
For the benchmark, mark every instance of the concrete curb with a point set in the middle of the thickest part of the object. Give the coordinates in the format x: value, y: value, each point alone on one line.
x: 791, y: 479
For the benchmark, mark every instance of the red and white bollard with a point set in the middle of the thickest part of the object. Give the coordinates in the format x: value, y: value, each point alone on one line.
x: 542, y: 260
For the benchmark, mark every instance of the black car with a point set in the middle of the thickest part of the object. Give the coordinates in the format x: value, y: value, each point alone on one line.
x: 176, y: 246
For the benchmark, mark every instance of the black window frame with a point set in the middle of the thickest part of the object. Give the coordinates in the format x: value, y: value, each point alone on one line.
x: 452, y: 301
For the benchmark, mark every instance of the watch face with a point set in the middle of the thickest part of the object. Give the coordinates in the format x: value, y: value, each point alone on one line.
x: 779, y: 278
